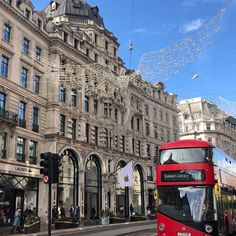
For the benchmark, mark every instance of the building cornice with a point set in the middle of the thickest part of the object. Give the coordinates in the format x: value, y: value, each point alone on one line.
x: 13, y: 12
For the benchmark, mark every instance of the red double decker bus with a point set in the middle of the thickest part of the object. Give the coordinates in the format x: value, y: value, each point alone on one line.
x: 196, y: 186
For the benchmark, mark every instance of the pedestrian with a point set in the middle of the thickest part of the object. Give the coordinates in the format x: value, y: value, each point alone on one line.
x: 148, y: 213
x: 77, y: 213
x: 93, y: 215
x: 63, y: 213
x: 72, y: 211
x: 54, y: 214
x: 2, y: 215
x: 131, y: 208
x: 17, y: 221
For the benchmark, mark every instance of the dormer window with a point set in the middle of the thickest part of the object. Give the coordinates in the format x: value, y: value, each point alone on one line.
x: 27, y: 13
x: 65, y: 37
x: 39, y: 23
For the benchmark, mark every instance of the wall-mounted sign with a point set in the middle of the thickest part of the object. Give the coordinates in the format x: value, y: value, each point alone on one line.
x: 183, y: 176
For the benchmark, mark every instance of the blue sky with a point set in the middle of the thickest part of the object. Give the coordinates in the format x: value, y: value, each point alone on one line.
x: 158, y: 24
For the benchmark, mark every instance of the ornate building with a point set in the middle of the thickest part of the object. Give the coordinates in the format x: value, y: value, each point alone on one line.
x: 201, y: 119
x: 64, y: 89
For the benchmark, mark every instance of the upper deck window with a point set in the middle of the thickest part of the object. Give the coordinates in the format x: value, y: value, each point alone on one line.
x: 186, y: 155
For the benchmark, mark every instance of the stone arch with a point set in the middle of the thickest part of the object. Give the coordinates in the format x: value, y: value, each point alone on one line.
x: 138, y: 189
x: 67, y: 189
x: 92, y: 186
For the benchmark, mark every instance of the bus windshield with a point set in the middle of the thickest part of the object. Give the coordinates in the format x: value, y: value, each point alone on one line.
x: 185, y: 155
x: 193, y: 204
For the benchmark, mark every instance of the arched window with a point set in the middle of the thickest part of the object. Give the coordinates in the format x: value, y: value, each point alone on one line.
x: 67, y: 191
x: 138, y: 190
x: 93, y: 191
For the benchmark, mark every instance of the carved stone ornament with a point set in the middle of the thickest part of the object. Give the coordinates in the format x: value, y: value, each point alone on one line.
x: 77, y: 3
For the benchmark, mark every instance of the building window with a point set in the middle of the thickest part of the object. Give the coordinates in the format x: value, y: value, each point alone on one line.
x: 123, y: 143
x: 146, y: 110
x: 208, y: 126
x: 3, y: 145
x: 39, y: 23
x: 87, y: 131
x: 106, y: 138
x: 132, y: 122
x: 96, y: 38
x: 155, y: 131
x: 74, y: 121
x: 95, y: 106
x: 74, y: 97
x: 6, y: 32
x: 62, y: 93
x: 116, y: 115
x: 109, y: 166
x: 167, y: 117
x: 115, y: 51
x: 209, y: 139
x: 20, y: 149
x: 8, y: 1
x: 107, y: 62
x: 138, y: 124
x: 147, y: 129
x: 23, y: 79
x: 168, y: 135
x: 148, y: 150
x: 65, y: 37
x: 2, y: 101
x: 4, y: 66
x: 38, y: 53
x: 86, y: 103
x: 26, y: 44
x: 22, y: 108
x: 106, y: 45
x: 87, y: 52
x: 27, y: 13
x: 162, y: 134
x: 95, y: 57
x: 35, y: 119
x: 115, y: 69
x: 139, y: 148
x: 96, y: 136
x: 32, y: 152
x: 36, y: 84
x: 76, y: 43
x: 133, y: 145
x: 62, y: 125
x: 107, y: 110
x: 161, y: 115
x: 155, y: 112
x: 149, y: 173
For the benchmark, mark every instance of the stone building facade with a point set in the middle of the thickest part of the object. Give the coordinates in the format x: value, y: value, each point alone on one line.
x: 201, y: 119
x: 44, y: 107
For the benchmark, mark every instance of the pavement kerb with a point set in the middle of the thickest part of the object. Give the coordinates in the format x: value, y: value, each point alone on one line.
x: 92, y: 227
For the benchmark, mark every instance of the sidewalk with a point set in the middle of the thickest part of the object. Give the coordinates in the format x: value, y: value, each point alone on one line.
x: 43, y: 228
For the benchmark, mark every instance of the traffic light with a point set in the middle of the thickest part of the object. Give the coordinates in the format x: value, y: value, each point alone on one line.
x: 55, y: 168
x: 46, y: 164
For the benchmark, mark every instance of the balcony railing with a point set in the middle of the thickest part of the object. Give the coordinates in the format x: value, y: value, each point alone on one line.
x: 9, y: 117
x: 35, y: 128
x: 33, y: 160
x: 22, y: 123
x: 20, y: 157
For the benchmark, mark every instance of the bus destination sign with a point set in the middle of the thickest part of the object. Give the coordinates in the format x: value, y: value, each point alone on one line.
x: 183, y: 176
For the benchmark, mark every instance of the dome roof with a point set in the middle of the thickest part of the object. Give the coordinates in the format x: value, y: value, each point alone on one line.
x: 74, y: 8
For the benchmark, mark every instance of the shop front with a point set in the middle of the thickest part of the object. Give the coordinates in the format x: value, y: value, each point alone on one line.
x: 17, y: 192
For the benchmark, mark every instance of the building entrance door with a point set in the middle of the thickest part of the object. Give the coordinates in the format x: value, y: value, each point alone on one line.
x: 19, y: 200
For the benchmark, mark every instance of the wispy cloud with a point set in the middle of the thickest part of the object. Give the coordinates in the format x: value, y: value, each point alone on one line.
x: 140, y: 30
x: 193, y: 3
x: 192, y: 26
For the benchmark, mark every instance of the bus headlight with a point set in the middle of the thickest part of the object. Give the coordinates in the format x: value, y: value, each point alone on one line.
x: 161, y: 227
x: 208, y: 229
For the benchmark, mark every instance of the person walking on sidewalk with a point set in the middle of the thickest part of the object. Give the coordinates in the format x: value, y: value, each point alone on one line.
x: 17, y: 221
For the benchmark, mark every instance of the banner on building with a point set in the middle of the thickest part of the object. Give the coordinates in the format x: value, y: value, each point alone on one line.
x: 126, y: 175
